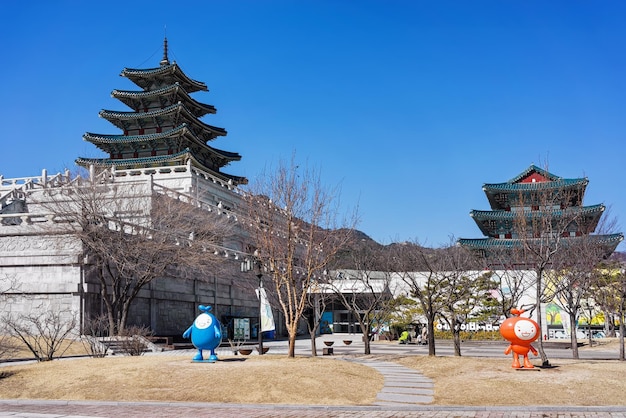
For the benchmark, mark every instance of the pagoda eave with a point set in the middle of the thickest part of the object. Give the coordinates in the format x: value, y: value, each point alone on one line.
x: 168, y: 74
x: 584, y: 211
x: 139, y: 100
x: 610, y: 241
x: 176, y: 113
x: 533, y: 187
x: 116, y: 144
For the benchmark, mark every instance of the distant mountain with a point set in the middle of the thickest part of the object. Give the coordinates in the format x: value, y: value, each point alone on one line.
x: 619, y: 256
x: 362, y: 245
x: 364, y: 250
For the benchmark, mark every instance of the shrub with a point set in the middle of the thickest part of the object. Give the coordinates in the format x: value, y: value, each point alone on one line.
x: 132, y: 340
x: 471, y: 336
x: 43, y: 332
x: 94, y: 331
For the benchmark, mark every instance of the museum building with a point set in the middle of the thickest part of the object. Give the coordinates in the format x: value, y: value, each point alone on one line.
x: 163, y: 148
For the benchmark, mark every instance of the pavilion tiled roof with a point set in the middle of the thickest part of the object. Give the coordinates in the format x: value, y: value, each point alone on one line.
x: 123, y: 119
x: 129, y: 96
x: 611, y: 241
x: 511, y: 215
x: 533, y: 168
x: 521, y: 187
x: 169, y: 74
x: 105, y: 142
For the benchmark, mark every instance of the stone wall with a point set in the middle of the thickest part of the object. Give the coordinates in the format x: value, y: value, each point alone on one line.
x: 49, y: 269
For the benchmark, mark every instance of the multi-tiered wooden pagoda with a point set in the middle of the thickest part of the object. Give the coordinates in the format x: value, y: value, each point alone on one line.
x: 534, y: 195
x: 164, y: 127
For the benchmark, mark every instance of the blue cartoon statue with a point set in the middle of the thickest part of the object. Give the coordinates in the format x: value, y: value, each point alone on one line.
x: 205, y: 333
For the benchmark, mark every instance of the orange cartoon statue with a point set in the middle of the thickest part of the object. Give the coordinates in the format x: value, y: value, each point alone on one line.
x: 520, y: 332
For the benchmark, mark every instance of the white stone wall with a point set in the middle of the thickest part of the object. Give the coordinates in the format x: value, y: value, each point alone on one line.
x: 50, y: 273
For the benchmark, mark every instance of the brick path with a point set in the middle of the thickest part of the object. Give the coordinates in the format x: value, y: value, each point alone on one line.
x: 66, y: 409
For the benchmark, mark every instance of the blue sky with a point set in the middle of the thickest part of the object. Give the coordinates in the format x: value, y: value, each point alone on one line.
x: 408, y: 106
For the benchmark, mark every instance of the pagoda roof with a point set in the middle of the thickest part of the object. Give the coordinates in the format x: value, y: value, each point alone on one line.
x: 511, y: 215
x: 160, y: 161
x: 128, y: 120
x: 610, y: 241
x: 533, y: 169
x: 137, y: 99
x: 502, y: 219
x: 522, y: 187
x: 113, y: 143
x: 164, y: 75
x: 529, y: 181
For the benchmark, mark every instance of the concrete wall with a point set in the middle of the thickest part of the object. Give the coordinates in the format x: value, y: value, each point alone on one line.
x: 50, y: 271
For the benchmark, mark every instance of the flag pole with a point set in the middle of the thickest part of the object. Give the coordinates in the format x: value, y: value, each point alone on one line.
x: 259, y: 274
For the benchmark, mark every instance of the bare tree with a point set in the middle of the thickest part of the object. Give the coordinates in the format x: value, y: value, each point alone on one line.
x: 366, y: 294
x: 620, y: 285
x: 581, y: 258
x: 609, y: 290
x: 420, y: 269
x: 546, y: 216
x: 134, y: 233
x: 605, y: 290
x: 44, y: 332
x: 511, y: 283
x: 295, y: 228
x: 463, y: 292
x: 94, y: 331
x: 8, y: 286
x: 317, y: 300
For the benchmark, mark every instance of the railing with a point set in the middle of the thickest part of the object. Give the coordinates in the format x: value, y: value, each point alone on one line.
x: 22, y: 185
x: 42, y: 181
x: 152, y: 171
x: 198, y: 202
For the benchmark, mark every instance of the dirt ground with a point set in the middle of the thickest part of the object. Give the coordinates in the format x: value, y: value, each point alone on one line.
x: 304, y: 380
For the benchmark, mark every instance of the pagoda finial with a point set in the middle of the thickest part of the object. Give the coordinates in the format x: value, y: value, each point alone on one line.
x: 165, y: 60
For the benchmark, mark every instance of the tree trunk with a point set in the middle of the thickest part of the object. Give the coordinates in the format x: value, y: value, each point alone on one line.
x: 292, y: 345
x: 124, y: 316
x: 544, y: 357
x: 365, y: 330
x: 431, y: 335
x: 622, y: 329
x: 573, y: 336
x: 312, y: 333
x: 456, y: 339
x: 609, y: 327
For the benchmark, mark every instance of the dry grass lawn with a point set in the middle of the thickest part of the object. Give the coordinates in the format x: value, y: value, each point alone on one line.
x: 490, y: 381
x: 254, y: 379
x: 304, y: 380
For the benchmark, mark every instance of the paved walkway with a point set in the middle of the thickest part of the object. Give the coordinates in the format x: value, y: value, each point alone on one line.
x: 402, y: 386
x: 76, y: 409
